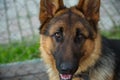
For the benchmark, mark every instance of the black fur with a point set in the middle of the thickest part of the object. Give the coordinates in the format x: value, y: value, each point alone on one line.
x: 114, y: 46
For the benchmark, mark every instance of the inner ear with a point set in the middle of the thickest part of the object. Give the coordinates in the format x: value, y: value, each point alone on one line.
x: 90, y: 8
x: 48, y: 9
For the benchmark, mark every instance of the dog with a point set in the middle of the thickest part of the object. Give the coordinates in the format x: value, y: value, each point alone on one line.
x: 71, y: 45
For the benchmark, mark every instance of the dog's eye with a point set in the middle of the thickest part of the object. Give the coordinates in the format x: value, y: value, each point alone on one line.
x: 79, y: 38
x: 58, y: 36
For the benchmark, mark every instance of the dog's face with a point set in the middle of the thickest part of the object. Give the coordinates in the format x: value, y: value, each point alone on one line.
x: 68, y: 35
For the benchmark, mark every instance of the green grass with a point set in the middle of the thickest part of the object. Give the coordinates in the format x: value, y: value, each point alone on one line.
x: 19, y: 51
x: 114, y: 33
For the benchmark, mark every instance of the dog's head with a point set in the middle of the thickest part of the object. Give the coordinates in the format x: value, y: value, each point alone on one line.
x: 68, y: 34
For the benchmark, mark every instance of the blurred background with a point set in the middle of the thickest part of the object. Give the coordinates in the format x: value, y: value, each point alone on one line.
x: 19, y: 36
x: 19, y: 23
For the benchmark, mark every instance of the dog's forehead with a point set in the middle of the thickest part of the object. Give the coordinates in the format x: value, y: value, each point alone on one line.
x: 70, y: 20
x: 69, y: 11
x: 68, y: 16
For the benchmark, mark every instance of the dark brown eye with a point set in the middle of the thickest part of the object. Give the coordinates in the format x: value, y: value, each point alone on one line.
x: 58, y: 36
x: 79, y: 36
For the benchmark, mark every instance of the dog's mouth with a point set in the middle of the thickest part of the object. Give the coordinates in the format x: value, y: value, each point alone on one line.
x: 66, y: 76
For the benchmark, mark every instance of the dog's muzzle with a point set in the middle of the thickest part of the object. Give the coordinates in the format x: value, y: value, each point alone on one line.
x: 67, y: 70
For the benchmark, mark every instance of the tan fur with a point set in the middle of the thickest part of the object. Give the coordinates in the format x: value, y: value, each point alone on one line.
x: 47, y: 57
x: 92, y: 54
x: 87, y: 61
x: 91, y: 47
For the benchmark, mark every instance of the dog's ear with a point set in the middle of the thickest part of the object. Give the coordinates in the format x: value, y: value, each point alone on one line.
x: 48, y: 8
x: 90, y: 9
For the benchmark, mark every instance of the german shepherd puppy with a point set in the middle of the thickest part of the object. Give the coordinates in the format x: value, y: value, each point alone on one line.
x: 71, y: 44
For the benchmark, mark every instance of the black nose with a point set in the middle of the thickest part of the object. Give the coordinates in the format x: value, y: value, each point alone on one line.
x: 67, y: 68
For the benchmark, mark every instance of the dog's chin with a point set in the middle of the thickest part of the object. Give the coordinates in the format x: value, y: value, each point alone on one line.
x: 66, y: 76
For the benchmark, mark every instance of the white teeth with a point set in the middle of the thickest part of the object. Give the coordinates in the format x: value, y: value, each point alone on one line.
x: 65, y: 76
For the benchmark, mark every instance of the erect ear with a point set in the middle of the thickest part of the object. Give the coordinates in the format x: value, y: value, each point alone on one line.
x: 90, y: 9
x: 48, y: 8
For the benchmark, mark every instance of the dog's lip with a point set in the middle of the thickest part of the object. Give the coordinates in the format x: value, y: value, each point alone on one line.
x: 66, y: 76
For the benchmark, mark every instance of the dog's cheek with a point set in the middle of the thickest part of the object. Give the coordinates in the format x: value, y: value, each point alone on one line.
x: 87, y: 49
x: 51, y: 45
x: 46, y: 48
x: 48, y: 44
